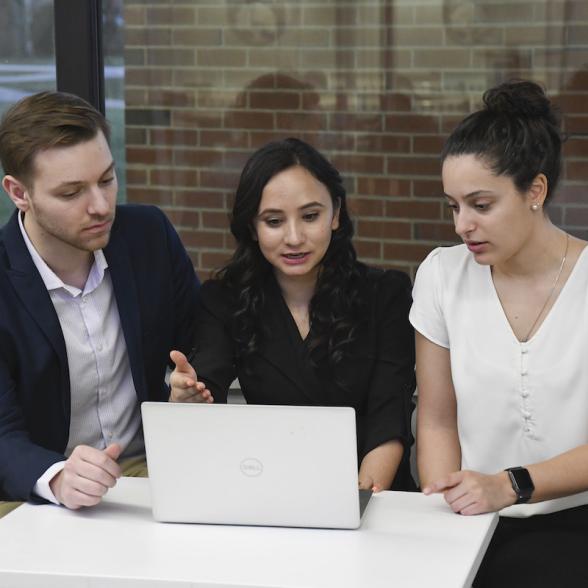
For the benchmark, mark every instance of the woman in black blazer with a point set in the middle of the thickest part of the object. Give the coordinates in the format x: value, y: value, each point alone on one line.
x: 299, y: 320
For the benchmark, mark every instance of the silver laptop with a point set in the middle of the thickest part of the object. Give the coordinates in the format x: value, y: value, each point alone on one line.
x: 292, y: 466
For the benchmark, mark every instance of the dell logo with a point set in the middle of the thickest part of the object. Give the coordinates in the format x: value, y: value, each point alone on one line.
x: 251, y: 467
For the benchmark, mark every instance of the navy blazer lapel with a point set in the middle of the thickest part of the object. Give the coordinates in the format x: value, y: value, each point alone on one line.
x: 29, y: 286
x: 125, y: 292
x: 284, y: 348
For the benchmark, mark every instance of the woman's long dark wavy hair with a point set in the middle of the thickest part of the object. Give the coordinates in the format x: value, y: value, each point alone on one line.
x: 336, y: 307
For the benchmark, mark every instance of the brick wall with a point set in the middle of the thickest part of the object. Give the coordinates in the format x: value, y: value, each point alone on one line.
x: 375, y: 84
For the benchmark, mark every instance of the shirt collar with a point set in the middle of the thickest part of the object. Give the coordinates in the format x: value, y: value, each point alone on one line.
x: 51, y: 280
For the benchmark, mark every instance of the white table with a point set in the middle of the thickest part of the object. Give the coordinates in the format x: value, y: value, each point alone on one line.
x: 406, y: 540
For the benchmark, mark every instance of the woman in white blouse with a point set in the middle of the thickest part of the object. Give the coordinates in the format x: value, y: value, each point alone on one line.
x: 502, y: 347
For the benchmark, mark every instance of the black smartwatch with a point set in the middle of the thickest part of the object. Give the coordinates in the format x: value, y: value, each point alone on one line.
x: 521, y: 483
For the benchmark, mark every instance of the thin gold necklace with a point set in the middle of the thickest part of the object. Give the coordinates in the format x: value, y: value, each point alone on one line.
x: 561, y: 266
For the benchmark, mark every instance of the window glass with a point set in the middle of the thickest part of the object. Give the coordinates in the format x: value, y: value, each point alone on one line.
x: 28, y: 58
x: 376, y: 84
x: 113, y: 47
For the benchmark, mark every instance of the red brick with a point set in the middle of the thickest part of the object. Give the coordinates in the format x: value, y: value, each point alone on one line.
x: 249, y: 120
x: 414, y: 166
x: 443, y: 58
x: 225, y: 180
x: 427, y: 188
x: 172, y: 15
x: 411, y: 209
x: 135, y: 97
x: 349, y: 122
x: 197, y: 78
x: 134, y: 57
x: 576, y: 146
x: 135, y: 136
x: 183, y: 218
x: 139, y: 76
x: 260, y: 138
x: 508, y: 58
x: 149, y: 195
x: 197, y: 37
x: 383, y: 229
x: 576, y: 124
x: 200, y: 199
x: 366, y: 206
x: 274, y: 100
x: 173, y: 137
x: 576, y: 170
x: 202, y: 239
x: 172, y: 57
x: 302, y: 121
x: 215, y: 220
x: 221, y: 57
x: 407, y: 251
x: 507, y: 12
x: 359, y: 163
x: 147, y: 36
x: 149, y: 156
x: 229, y: 138
x: 437, y: 232
x: 180, y: 98
x: 576, y: 215
x: 368, y: 249
x: 578, y: 82
x: 383, y: 186
x: 396, y: 102
x: 412, y: 123
x: 134, y: 15
x: 235, y: 160
x: 573, y: 103
x: 427, y: 144
x: 197, y: 119
x: 136, y: 177
x: 449, y: 122
x: 174, y: 177
x: 197, y: 157
x: 385, y: 143
x: 570, y: 193
x: 325, y: 141
x: 418, y: 36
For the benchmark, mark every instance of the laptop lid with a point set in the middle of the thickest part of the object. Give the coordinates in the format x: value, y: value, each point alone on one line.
x: 292, y: 466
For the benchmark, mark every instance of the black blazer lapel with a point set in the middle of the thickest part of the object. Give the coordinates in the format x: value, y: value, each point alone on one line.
x: 30, y: 288
x: 284, y: 348
x: 125, y: 292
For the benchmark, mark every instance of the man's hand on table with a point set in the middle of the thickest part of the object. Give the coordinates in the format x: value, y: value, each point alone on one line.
x: 87, y: 476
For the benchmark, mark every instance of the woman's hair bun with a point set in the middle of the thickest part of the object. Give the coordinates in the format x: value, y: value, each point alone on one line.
x: 518, y: 98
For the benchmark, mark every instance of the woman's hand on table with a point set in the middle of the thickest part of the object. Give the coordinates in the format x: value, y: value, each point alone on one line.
x: 470, y: 493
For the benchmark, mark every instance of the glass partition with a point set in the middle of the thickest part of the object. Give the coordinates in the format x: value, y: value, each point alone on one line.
x: 375, y: 84
x: 28, y: 58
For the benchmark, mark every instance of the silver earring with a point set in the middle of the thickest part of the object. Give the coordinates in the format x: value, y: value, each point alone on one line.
x: 534, y: 207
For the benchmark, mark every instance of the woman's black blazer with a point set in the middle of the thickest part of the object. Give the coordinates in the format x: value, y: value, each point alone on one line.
x: 376, y: 376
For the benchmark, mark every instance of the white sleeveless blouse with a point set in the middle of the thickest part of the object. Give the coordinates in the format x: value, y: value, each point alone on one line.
x: 517, y: 403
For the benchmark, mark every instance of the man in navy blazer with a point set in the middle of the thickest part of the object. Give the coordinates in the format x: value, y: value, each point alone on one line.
x: 92, y: 298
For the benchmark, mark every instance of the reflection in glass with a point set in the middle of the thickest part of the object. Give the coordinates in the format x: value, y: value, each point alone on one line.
x: 28, y: 57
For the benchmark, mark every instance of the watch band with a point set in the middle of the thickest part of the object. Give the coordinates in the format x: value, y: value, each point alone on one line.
x: 522, y: 484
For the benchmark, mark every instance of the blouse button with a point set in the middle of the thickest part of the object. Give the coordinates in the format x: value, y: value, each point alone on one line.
x: 524, y: 373
x: 524, y: 394
x: 524, y: 351
x: 526, y: 414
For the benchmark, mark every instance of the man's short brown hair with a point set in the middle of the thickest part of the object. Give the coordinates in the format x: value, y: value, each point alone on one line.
x: 43, y: 121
